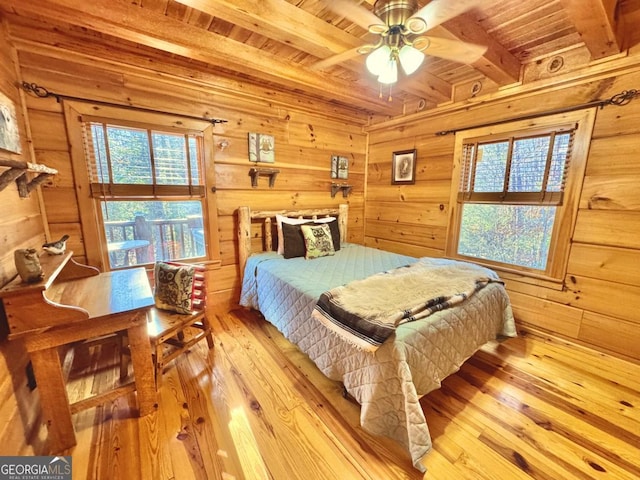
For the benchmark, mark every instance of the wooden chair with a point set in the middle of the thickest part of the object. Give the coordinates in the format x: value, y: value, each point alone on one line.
x: 173, y: 333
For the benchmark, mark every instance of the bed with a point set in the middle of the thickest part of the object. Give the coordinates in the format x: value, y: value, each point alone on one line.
x: 389, y: 381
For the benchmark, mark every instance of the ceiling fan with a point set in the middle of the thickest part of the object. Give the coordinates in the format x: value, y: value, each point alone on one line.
x: 400, y: 26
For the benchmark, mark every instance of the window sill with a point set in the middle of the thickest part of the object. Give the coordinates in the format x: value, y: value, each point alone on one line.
x: 538, y: 280
x: 545, y: 282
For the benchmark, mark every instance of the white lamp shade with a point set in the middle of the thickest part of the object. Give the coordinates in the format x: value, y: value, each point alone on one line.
x: 410, y: 59
x: 378, y: 59
x: 390, y: 72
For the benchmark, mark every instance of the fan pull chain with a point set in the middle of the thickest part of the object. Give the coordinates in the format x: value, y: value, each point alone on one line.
x: 389, y: 98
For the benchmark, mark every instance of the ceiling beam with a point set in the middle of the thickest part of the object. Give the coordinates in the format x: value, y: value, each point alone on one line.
x: 425, y: 85
x: 595, y: 21
x: 280, y: 21
x: 497, y: 63
x: 122, y: 19
x: 283, y: 22
x: 630, y: 14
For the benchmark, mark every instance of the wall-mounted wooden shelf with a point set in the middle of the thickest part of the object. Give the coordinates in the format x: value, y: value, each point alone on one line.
x: 255, y: 173
x: 18, y: 172
x: 335, y: 188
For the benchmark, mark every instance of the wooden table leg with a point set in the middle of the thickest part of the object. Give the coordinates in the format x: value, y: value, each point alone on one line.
x: 53, y: 399
x: 143, y: 368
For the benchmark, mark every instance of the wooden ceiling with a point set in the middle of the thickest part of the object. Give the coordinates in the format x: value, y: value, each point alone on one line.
x: 281, y: 43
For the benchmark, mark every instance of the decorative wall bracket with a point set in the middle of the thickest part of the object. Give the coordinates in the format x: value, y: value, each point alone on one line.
x: 346, y: 189
x: 18, y: 172
x: 255, y: 173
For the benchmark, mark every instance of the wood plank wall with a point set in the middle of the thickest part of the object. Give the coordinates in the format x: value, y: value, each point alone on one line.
x: 22, y: 227
x: 600, y: 303
x: 307, y: 133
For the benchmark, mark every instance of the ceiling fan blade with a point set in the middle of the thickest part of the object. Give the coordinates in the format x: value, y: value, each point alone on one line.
x: 354, y: 12
x: 339, y: 58
x: 437, y: 12
x: 454, y: 50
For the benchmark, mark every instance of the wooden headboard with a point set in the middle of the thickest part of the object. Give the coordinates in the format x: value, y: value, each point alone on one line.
x: 246, y: 217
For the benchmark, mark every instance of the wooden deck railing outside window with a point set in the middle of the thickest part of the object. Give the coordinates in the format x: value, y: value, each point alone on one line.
x: 173, y: 239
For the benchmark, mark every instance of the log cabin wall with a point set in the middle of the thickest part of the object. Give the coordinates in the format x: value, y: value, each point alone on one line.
x: 599, y: 304
x: 22, y: 226
x: 307, y: 133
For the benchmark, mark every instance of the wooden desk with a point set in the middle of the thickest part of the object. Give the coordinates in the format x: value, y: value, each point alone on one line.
x: 74, y: 302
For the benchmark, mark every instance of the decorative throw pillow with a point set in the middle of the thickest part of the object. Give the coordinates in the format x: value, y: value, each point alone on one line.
x: 280, y: 219
x: 335, y: 230
x: 293, y: 241
x: 174, y: 287
x: 317, y: 240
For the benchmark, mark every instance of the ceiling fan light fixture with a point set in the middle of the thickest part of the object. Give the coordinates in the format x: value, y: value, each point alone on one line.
x: 378, y: 60
x: 416, y: 25
x: 390, y: 73
x: 410, y: 59
x: 421, y: 43
x: 365, y: 49
x: 378, y: 29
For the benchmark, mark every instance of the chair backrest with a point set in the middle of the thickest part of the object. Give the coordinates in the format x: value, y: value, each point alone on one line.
x: 199, y: 287
x: 164, y: 323
x: 199, y: 297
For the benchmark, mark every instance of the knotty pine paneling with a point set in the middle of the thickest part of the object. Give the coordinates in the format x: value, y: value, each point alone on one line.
x: 611, y: 192
x: 61, y: 161
x: 233, y: 177
x: 619, y: 265
x: 428, y: 236
x: 616, y: 228
x: 306, y: 135
x: 416, y: 214
x: 605, y: 297
x: 48, y: 131
x: 403, y: 248
x: 546, y: 314
x: 614, y: 157
x: 623, y: 337
x: 22, y: 226
x: 599, y: 300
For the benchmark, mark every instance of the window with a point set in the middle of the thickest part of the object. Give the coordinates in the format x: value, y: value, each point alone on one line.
x: 146, y: 182
x: 518, y: 186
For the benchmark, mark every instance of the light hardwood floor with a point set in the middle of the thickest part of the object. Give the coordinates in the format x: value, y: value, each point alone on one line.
x: 257, y: 408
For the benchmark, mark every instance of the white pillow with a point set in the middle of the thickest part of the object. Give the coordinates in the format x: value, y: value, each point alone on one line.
x: 324, y: 220
x: 280, y: 219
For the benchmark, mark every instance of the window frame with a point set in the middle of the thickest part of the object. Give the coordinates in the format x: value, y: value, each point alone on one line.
x: 566, y: 213
x: 94, y: 236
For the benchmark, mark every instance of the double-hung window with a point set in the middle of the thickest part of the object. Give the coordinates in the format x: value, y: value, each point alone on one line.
x: 517, y: 193
x: 147, y: 184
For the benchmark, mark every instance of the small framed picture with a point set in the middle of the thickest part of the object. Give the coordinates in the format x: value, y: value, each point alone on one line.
x: 9, y: 133
x: 339, y: 167
x: 261, y: 148
x: 404, y: 167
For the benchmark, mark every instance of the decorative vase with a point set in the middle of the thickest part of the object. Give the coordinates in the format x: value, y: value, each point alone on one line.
x: 28, y: 265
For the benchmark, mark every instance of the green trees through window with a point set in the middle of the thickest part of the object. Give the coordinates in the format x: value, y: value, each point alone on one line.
x: 150, y: 189
x: 510, y: 223
x: 518, y: 193
x: 510, y: 234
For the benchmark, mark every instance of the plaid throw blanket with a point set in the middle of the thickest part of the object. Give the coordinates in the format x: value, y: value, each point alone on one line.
x: 367, y: 312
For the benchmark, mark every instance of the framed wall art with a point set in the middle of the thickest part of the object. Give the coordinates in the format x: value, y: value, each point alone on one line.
x: 9, y: 133
x: 339, y: 167
x: 404, y: 167
x: 261, y: 148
